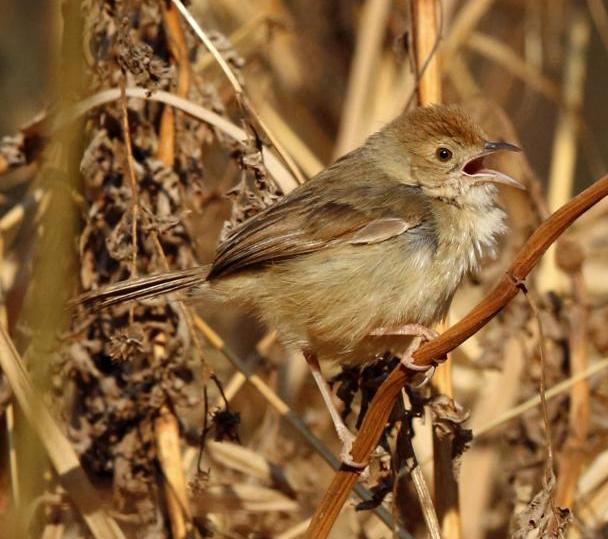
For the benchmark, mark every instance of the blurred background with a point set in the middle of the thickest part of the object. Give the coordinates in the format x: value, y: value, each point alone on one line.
x: 152, y: 399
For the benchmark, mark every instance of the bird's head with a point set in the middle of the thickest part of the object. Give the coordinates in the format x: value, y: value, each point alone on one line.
x: 446, y: 151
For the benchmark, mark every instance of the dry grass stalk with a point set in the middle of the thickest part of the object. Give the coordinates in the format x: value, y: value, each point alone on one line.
x: 372, y: 27
x: 285, y: 412
x: 463, y: 26
x: 505, y: 290
x: 499, y: 392
x: 58, y: 447
x: 406, y: 461
x: 281, y: 175
x: 169, y: 456
x: 561, y: 176
x: 179, y: 53
x: 555, y: 391
x: 573, y: 454
x: 426, y: 36
x: 503, y: 55
x: 238, y: 89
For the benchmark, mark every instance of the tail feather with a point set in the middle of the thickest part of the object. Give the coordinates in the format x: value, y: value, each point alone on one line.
x: 143, y: 287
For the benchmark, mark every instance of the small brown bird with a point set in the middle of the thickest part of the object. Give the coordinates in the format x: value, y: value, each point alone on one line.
x: 366, y: 254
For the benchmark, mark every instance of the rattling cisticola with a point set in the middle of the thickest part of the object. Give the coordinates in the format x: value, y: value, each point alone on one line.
x: 365, y: 255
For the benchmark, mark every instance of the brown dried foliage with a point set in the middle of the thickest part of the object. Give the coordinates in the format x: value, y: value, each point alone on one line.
x: 114, y: 371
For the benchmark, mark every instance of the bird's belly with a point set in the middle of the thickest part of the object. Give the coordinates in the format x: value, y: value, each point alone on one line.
x: 356, y: 292
x: 330, y: 302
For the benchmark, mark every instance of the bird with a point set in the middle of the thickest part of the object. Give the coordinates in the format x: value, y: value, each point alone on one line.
x: 364, y: 257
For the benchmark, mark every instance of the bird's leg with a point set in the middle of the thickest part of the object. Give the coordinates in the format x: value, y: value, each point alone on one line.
x: 420, y: 333
x: 346, y: 436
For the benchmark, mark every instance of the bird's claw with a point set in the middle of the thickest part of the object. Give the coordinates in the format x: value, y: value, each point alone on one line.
x: 347, y: 438
x: 428, y: 371
x: 423, y: 334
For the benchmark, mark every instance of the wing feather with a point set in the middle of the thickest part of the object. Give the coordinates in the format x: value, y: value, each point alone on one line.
x: 322, y: 213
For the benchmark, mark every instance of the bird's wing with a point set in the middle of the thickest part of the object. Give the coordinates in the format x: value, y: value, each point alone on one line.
x: 318, y: 215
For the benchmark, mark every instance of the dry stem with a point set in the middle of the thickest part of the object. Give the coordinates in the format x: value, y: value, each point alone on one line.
x: 556, y: 390
x: 130, y: 171
x: 573, y: 454
x: 242, y: 98
x: 179, y: 51
x: 58, y: 447
x: 426, y: 35
x: 169, y: 456
x: 424, y: 28
x: 561, y: 175
x: 372, y: 27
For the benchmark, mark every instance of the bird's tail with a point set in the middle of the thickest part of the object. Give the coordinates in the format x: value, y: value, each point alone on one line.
x: 143, y: 287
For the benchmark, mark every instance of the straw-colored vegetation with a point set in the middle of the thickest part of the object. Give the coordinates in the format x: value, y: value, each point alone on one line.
x: 167, y: 124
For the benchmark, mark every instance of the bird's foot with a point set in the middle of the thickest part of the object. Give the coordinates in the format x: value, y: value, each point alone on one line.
x: 428, y: 369
x: 348, y: 438
x: 421, y: 334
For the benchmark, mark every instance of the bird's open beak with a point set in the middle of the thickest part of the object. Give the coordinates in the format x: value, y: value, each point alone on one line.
x: 477, y: 171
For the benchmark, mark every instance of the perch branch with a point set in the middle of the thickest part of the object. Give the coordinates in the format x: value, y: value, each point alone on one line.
x: 504, y: 291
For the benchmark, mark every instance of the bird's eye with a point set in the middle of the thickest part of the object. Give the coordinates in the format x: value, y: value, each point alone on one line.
x: 443, y: 154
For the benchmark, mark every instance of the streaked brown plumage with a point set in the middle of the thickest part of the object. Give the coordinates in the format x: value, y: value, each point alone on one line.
x: 379, y: 239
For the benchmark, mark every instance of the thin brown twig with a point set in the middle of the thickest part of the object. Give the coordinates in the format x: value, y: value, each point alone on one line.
x: 549, y: 467
x: 549, y: 476
x: 130, y: 170
x: 504, y: 291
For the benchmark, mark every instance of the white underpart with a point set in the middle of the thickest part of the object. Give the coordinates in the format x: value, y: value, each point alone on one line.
x: 483, y: 222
